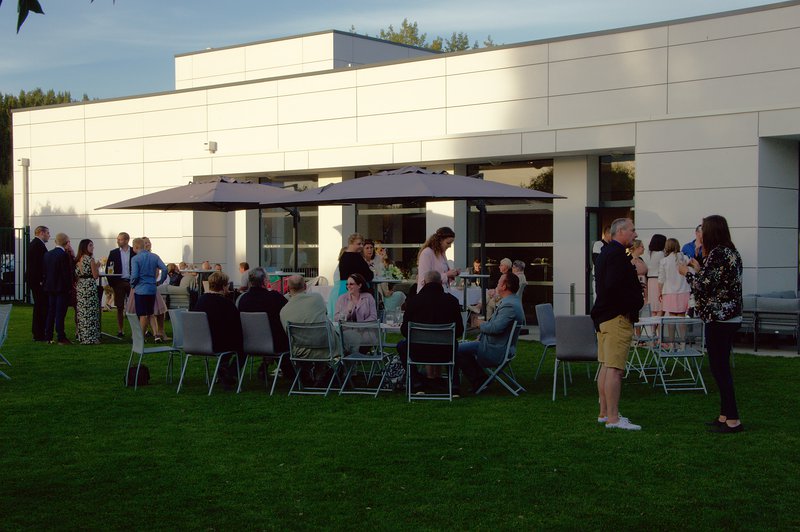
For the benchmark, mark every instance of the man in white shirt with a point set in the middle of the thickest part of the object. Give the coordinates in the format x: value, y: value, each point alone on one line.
x: 121, y: 257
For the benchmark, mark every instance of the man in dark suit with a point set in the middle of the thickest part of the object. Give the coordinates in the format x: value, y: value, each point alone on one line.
x: 121, y: 257
x: 58, y: 269
x: 431, y: 305
x: 260, y: 299
x: 35, y: 278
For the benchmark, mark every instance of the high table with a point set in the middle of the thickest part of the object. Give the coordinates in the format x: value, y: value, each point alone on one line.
x: 467, y: 278
x: 100, y: 277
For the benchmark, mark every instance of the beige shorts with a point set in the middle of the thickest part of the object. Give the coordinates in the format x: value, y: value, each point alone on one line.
x: 614, y: 342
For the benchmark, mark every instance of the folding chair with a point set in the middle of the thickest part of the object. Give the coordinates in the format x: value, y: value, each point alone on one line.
x: 362, y: 347
x: 643, y: 344
x: 547, y: 330
x: 197, y: 342
x: 426, y: 335
x: 5, y: 317
x: 682, y: 342
x: 504, y: 369
x: 576, y: 342
x: 257, y: 336
x: 312, y: 343
x: 138, y: 348
x: 176, y: 319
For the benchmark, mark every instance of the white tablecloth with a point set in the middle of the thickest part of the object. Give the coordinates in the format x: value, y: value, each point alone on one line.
x: 473, y: 295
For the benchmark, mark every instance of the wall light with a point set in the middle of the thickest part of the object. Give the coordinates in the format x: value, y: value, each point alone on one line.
x: 211, y: 146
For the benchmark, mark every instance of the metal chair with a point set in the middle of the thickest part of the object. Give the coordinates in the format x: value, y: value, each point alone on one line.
x: 197, y: 342
x: 257, y: 336
x: 312, y: 343
x: 138, y: 348
x: 576, y: 342
x: 547, y: 330
x: 426, y: 335
x: 362, y: 347
x: 5, y: 317
x: 176, y: 319
x: 682, y: 341
x: 645, y: 339
x: 504, y: 369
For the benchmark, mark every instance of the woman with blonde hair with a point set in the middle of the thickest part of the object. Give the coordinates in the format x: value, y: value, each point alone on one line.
x: 432, y: 257
x: 673, y: 286
x: 636, y: 251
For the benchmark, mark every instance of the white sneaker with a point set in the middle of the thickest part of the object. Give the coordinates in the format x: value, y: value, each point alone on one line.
x: 604, y: 419
x: 624, y: 424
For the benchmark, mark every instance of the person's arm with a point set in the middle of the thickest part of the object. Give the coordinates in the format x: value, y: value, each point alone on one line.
x: 425, y: 264
x: 163, y: 269
x: 134, y: 272
x: 94, y: 268
x: 500, y: 322
x: 371, y: 310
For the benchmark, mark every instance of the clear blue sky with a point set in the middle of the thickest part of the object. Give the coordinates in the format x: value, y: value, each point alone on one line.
x: 107, y: 49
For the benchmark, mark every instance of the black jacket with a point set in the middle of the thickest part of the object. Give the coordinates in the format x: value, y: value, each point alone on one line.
x: 258, y: 299
x: 433, y: 305
x: 115, y: 256
x: 36, y: 251
x: 223, y: 321
x: 57, y: 272
x: 617, y: 286
x: 352, y: 262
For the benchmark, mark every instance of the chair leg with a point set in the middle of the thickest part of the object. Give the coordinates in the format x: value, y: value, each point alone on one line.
x: 139, y: 367
x: 555, y: 378
x: 275, y: 378
x: 214, y: 377
x: 539, y: 367
x: 2, y: 374
x: 183, y: 371
x: 128, y: 369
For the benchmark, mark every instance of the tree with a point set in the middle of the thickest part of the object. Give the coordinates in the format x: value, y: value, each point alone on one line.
x: 409, y: 34
x: 34, y: 98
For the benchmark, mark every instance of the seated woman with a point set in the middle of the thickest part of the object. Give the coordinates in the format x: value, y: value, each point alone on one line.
x: 356, y: 304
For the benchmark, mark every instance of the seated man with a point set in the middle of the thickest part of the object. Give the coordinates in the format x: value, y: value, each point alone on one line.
x: 304, y: 307
x: 431, y: 305
x: 225, y: 325
x: 490, y: 348
x: 259, y: 299
x: 244, y: 271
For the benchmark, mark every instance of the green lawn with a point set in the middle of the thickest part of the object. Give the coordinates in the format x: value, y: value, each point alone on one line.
x: 81, y: 451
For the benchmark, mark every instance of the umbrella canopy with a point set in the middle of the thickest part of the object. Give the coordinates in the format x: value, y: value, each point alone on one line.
x: 411, y: 184
x: 222, y: 195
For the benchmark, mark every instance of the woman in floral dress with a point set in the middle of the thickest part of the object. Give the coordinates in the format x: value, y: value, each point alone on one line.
x: 88, y: 306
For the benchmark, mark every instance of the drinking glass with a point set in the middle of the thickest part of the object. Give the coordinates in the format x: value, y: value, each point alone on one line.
x: 110, y: 266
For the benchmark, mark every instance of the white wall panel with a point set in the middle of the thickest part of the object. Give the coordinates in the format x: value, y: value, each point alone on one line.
x: 777, y: 123
x: 63, y: 203
x: 218, y: 62
x: 175, y: 100
x: 312, y: 84
x: 62, y: 132
x: 633, y: 69
x: 730, y: 57
x: 276, y: 72
x: 114, y: 152
x: 161, y: 175
x: 731, y: 26
x: 609, y: 44
x: 400, y: 126
x: 401, y: 96
x: 57, y: 180
x: 110, y: 178
x: 519, y: 114
x: 766, y: 90
x: 431, y: 68
x: 189, y: 167
x: 468, y: 148
x: 245, y: 141
x: 496, y: 59
x: 697, y: 133
x: 44, y: 115
x: 675, y: 208
x: 62, y: 156
x: 274, y: 54
x: 596, y: 138
x: 735, y: 167
x: 407, y: 152
x: 317, y: 66
x: 246, y: 91
x: 317, y: 106
x: 175, y: 121
x: 777, y: 208
x: 296, y: 160
x: 248, y: 163
x: 123, y: 126
x: 322, y: 134
x: 222, y: 79
x: 183, y: 68
x: 540, y: 142
x: 354, y: 156
x: 606, y: 106
x: 173, y: 147
x: 497, y: 85
x: 21, y: 135
x: 317, y: 48
x: 115, y: 108
x: 243, y: 114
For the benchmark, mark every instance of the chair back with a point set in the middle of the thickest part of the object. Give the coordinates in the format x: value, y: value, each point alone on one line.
x: 430, y: 334
x: 547, y: 323
x: 137, y: 337
x: 361, y: 336
x: 176, y: 319
x: 5, y: 317
x: 646, y: 311
x: 257, y: 334
x: 576, y: 339
x: 511, y: 346
x: 197, y: 334
x: 311, y: 341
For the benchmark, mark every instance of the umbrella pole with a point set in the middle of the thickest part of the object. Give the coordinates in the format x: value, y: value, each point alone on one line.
x: 295, y: 227
x: 481, y: 206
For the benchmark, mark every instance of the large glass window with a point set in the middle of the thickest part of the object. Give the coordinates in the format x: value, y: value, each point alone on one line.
x: 521, y: 231
x: 401, y: 228
x: 277, y: 233
x: 617, y: 180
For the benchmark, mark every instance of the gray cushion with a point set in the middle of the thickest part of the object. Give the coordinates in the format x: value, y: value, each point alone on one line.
x: 777, y: 304
x: 783, y: 294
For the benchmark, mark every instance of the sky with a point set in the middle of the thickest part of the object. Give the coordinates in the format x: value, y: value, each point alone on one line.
x: 109, y: 49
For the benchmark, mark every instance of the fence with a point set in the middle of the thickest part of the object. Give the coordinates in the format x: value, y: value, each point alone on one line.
x: 13, y: 259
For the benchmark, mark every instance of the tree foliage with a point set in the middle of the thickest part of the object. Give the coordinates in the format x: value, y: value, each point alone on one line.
x: 8, y: 102
x: 408, y: 33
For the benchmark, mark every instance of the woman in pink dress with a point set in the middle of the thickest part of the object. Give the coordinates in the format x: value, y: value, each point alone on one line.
x: 674, y: 288
x: 653, y: 260
x: 432, y: 257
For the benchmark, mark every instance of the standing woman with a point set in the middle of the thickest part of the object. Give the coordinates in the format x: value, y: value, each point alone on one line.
x: 636, y: 252
x: 88, y: 304
x: 374, y: 261
x: 352, y: 261
x: 432, y: 257
x: 717, y: 288
x: 674, y: 288
x: 653, y: 260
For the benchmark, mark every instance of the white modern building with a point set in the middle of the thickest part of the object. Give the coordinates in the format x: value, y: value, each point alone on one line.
x: 669, y: 121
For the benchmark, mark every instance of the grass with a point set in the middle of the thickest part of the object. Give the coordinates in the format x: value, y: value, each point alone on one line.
x: 81, y: 451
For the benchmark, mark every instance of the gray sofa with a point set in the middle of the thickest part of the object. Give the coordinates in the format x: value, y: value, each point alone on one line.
x: 175, y: 296
x: 772, y: 313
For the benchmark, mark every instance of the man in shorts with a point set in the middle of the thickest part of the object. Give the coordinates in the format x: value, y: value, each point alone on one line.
x: 616, y: 309
x: 121, y: 258
x: 144, y: 267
